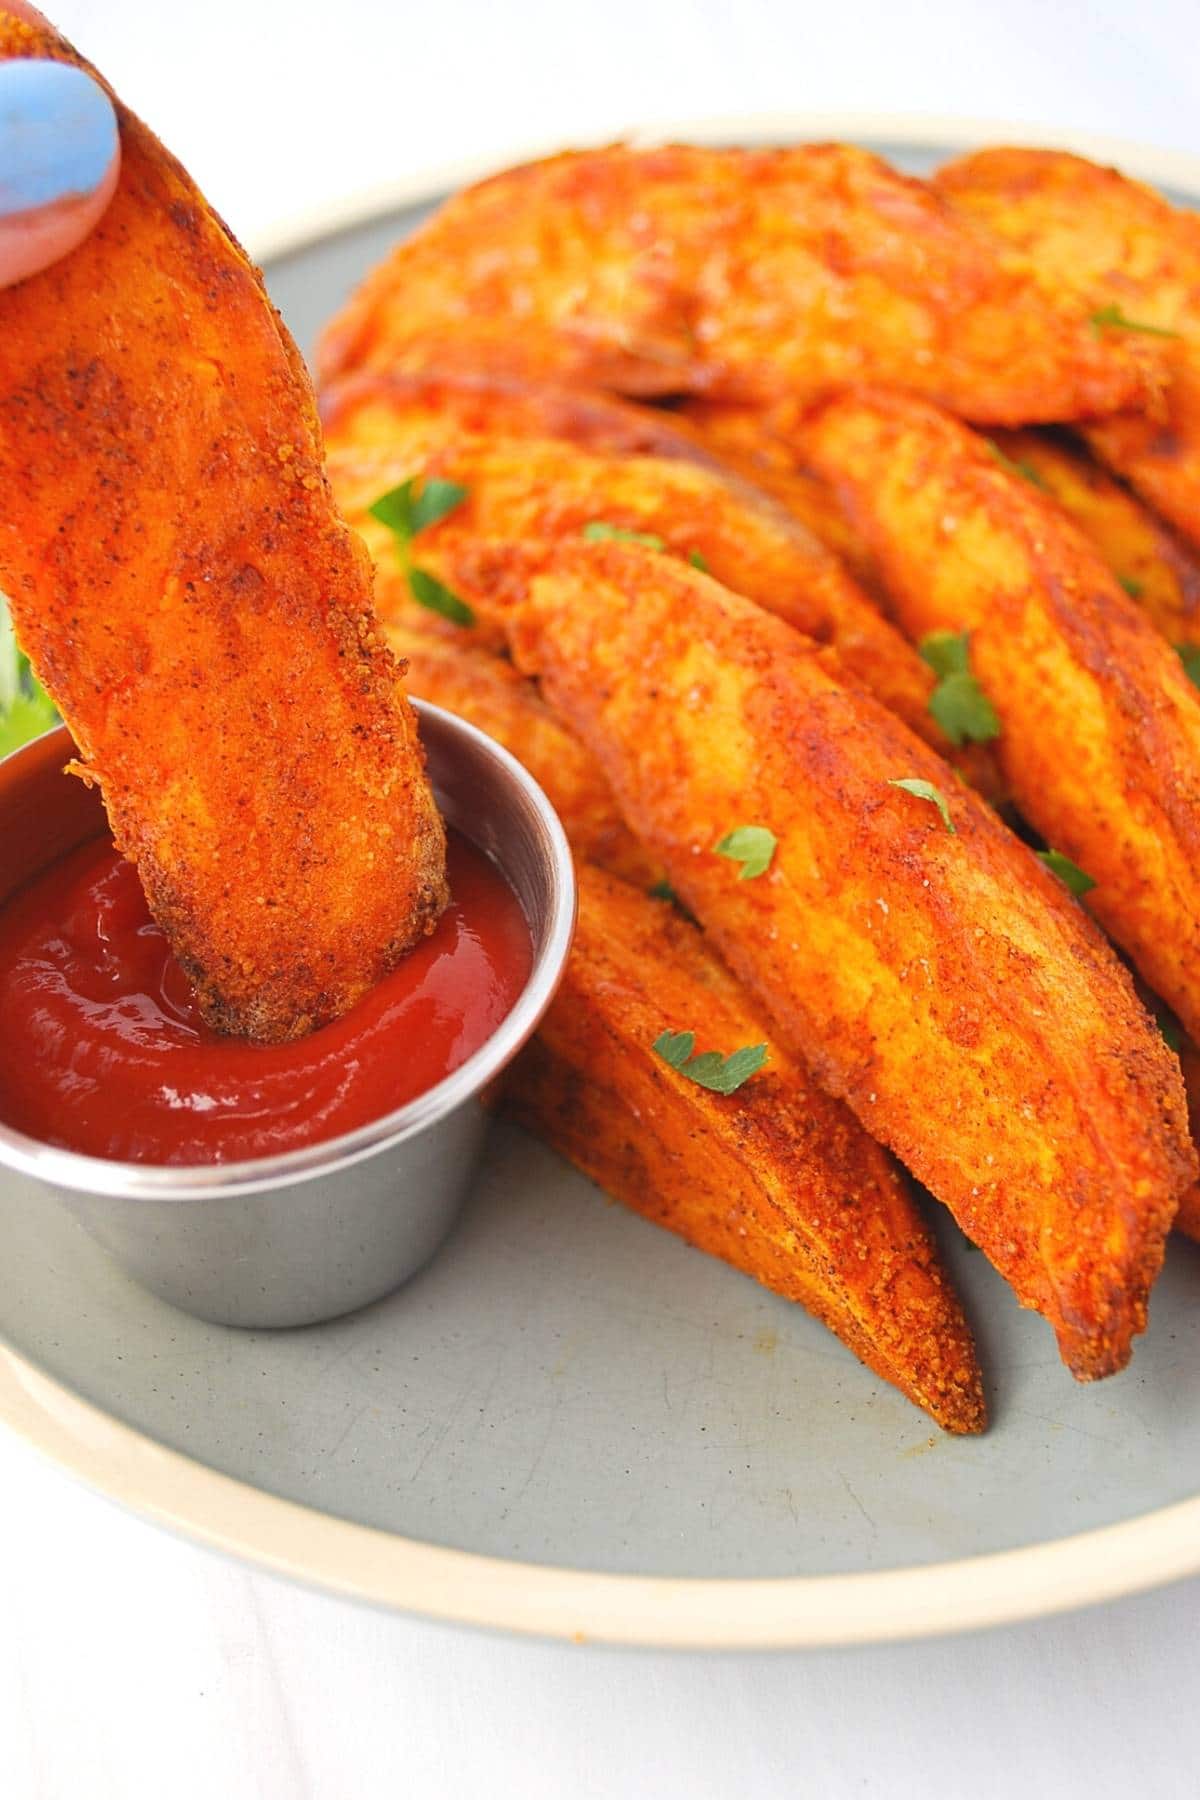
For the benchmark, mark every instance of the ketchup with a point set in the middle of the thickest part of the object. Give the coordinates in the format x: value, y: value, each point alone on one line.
x: 103, y: 1050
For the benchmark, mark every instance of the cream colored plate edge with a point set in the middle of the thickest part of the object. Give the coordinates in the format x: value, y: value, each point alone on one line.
x: 374, y: 1566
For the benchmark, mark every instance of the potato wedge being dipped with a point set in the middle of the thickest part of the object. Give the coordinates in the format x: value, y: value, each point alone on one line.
x: 188, y: 594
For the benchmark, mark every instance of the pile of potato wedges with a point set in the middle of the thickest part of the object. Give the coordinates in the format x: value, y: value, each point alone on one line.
x: 827, y: 543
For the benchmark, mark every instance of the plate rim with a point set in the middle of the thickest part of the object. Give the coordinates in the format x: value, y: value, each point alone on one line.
x: 367, y: 1564
x: 1179, y: 169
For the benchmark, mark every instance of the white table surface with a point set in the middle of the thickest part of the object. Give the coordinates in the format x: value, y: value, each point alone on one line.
x: 138, y: 1667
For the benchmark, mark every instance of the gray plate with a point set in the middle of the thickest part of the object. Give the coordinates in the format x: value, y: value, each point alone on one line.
x: 569, y: 1388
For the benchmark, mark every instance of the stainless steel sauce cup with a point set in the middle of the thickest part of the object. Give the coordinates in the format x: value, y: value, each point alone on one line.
x: 313, y: 1233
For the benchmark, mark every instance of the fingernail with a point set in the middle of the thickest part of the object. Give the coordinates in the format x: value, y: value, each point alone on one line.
x: 58, y: 134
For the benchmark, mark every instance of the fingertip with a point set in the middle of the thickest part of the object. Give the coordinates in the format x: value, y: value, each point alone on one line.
x: 58, y: 133
x: 31, y: 241
x: 59, y: 161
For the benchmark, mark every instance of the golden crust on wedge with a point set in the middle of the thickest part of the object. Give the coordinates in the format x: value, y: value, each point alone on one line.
x: 1100, y: 739
x: 777, y: 1178
x: 742, y: 274
x: 1118, y: 245
x: 202, y: 617
x: 484, y: 688
x: 522, y: 487
x: 1154, y: 567
x: 944, y: 984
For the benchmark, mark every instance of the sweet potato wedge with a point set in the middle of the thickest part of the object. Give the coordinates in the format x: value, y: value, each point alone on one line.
x: 739, y: 274
x: 470, y: 680
x: 1156, y: 568
x: 522, y: 487
x: 1100, y: 740
x: 942, y: 982
x: 185, y: 589
x: 777, y: 1178
x: 1135, y: 262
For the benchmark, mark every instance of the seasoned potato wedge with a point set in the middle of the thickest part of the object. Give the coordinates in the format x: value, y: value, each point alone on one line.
x: 470, y: 680
x: 941, y: 981
x: 189, y: 596
x: 523, y: 488
x: 1100, y: 740
x: 777, y: 1178
x: 1154, y: 567
x: 1135, y: 261
x: 741, y: 274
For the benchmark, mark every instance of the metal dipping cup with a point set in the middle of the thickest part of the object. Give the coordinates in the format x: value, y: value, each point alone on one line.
x: 313, y: 1233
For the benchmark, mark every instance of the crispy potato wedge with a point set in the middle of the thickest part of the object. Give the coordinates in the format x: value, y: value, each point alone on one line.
x: 1118, y: 245
x: 1100, y: 739
x: 189, y: 596
x: 525, y: 487
x: 470, y: 680
x: 1154, y: 566
x: 943, y: 982
x: 777, y: 1178
x: 740, y: 274
x: 757, y: 443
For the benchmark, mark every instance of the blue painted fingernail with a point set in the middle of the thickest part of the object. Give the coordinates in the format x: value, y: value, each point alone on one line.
x: 58, y: 134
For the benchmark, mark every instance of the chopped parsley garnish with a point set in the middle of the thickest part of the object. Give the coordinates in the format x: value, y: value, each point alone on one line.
x: 1189, y: 656
x: 751, y: 845
x: 1014, y: 465
x: 719, y: 1074
x: 600, y: 531
x: 1133, y: 587
x: 431, y: 593
x: 925, y: 790
x: 1069, y: 873
x: 1115, y: 320
x: 958, y: 703
x: 26, y: 709
x: 409, y: 509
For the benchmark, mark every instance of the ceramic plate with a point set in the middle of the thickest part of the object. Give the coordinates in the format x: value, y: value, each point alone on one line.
x: 573, y: 1424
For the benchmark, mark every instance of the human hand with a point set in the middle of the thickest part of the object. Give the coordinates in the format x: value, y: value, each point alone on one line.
x: 59, y: 158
